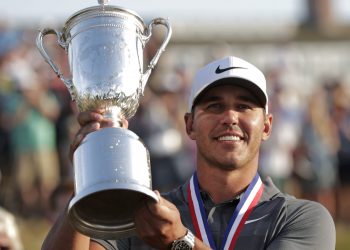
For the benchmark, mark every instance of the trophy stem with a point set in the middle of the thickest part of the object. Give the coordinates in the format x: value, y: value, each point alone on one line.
x: 114, y: 113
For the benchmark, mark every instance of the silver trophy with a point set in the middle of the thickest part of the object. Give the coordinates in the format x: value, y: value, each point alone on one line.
x: 111, y: 166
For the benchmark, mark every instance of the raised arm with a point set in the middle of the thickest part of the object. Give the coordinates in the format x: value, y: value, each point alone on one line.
x: 62, y: 235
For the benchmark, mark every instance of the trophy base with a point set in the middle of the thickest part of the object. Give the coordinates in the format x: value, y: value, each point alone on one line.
x: 112, y: 180
x: 108, y: 214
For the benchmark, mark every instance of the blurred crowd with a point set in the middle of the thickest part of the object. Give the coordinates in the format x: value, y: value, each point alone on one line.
x: 308, y: 154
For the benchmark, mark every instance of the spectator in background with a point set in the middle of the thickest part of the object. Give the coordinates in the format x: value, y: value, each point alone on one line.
x: 159, y: 122
x: 315, y: 156
x: 6, y: 160
x: 341, y: 116
x: 31, y: 112
x: 66, y: 124
x: 59, y: 198
x: 276, y: 153
x: 10, y: 41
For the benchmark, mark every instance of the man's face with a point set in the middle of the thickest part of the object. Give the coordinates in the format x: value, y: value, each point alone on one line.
x: 228, y: 125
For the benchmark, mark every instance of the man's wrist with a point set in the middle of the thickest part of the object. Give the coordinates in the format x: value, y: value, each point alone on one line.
x: 184, y: 243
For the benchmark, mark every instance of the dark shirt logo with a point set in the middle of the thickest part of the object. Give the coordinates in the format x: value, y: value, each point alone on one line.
x: 219, y: 71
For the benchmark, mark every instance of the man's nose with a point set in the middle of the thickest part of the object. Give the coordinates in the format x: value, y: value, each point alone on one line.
x: 230, y: 117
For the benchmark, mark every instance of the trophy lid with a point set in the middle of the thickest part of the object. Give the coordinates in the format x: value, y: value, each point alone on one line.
x: 104, y: 10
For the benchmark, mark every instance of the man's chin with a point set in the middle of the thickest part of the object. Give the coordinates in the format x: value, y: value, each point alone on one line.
x: 227, y: 166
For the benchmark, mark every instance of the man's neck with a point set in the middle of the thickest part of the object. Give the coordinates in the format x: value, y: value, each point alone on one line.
x: 223, y: 185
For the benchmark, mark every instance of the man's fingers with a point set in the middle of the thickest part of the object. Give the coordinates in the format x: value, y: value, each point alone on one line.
x: 159, y: 223
x: 161, y: 202
x: 91, y: 121
x: 147, y: 231
x: 90, y: 116
x: 87, y: 117
x: 161, y: 209
x: 93, y: 126
x: 149, y: 211
x: 124, y: 123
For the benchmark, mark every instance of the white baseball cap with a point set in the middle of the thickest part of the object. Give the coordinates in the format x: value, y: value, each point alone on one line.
x: 246, y: 75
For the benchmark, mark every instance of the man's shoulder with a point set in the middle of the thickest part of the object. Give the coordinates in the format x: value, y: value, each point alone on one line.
x: 292, y: 204
x: 309, y: 214
x: 290, y: 223
x: 297, y: 218
x: 309, y: 221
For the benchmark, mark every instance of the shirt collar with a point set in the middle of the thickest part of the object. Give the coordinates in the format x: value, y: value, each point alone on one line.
x: 270, y: 191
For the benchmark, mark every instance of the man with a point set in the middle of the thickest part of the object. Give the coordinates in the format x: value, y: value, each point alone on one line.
x: 225, y: 204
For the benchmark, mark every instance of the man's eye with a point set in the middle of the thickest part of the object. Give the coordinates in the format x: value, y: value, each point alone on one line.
x: 215, y: 107
x: 243, y: 106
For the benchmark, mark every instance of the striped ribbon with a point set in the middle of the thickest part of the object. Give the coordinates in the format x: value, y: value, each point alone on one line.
x: 244, y: 208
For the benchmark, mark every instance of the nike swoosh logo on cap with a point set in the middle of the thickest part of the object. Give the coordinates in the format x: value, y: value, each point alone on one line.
x: 219, y: 71
x: 251, y: 221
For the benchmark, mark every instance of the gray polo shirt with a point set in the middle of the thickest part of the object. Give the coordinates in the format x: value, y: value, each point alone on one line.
x: 278, y: 221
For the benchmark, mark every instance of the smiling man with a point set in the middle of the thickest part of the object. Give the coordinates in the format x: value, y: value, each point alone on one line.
x: 225, y: 204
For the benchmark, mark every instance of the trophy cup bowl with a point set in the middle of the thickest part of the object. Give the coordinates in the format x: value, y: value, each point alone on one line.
x: 111, y: 166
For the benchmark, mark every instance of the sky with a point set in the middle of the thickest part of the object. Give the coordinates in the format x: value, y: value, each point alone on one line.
x: 16, y: 11
x: 28, y: 12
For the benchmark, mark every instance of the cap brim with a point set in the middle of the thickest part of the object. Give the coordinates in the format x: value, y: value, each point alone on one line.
x: 252, y: 87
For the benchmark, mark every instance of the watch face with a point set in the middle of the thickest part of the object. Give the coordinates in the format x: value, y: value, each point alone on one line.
x: 181, y: 245
x: 185, y: 243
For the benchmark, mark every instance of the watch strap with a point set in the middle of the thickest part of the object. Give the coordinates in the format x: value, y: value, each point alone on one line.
x: 184, y: 243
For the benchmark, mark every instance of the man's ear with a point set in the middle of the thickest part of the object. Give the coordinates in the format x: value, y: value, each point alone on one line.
x: 267, y: 126
x: 189, y: 125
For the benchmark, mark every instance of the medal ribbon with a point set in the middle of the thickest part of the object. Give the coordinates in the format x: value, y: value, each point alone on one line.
x: 244, y: 208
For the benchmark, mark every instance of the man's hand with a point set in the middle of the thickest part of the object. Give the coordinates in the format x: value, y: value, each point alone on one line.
x: 91, y: 121
x: 159, y: 223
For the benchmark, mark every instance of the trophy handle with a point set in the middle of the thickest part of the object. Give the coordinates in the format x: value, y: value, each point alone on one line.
x: 42, y: 50
x: 161, y: 49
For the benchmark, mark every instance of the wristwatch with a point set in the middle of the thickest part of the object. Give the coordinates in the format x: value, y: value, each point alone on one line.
x: 184, y: 243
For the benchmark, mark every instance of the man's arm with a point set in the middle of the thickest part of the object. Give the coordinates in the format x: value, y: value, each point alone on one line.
x: 307, y: 226
x: 63, y: 236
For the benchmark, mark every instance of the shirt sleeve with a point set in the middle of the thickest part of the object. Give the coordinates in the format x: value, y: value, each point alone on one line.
x: 308, y: 225
x: 113, y: 244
